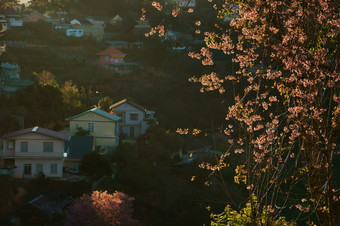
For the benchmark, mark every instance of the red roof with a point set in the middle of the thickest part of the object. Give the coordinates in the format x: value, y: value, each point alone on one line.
x: 111, y: 51
x: 38, y: 130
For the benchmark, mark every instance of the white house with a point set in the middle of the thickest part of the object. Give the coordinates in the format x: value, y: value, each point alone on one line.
x: 134, y: 117
x: 75, y: 22
x: 186, y: 3
x: 35, y: 150
x: 74, y: 32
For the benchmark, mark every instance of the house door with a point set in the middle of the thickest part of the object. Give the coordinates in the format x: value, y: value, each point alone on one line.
x: 132, y: 131
x: 28, y: 171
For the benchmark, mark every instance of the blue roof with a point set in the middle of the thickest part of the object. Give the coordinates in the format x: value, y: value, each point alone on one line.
x: 9, y: 66
x: 79, y: 146
x: 99, y: 112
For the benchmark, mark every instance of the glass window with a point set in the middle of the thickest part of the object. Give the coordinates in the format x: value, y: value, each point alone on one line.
x: 132, y: 131
x: 48, y: 146
x: 121, y: 115
x: 10, y: 144
x: 54, y: 168
x: 28, y: 169
x: 134, y: 117
x: 90, y: 127
x: 106, y: 58
x: 39, y: 168
x: 24, y: 146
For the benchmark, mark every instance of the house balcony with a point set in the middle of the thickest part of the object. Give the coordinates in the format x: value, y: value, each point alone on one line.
x: 34, y: 155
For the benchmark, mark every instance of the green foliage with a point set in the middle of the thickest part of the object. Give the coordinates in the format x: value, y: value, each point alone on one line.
x: 251, y: 214
x: 105, y: 103
x: 34, y: 107
x: 46, y: 78
x: 71, y: 96
x: 108, y: 184
x: 7, y: 121
x: 127, y: 152
x: 95, y: 165
x: 82, y: 132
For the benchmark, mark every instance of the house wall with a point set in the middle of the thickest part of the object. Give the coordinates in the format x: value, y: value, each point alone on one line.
x: 96, y: 31
x: 35, y: 146
x: 19, y: 163
x: 139, y: 125
x: 104, y: 128
x: 74, y: 32
x: 16, y: 22
x: 103, y: 60
x: 35, y: 154
x: 34, y: 18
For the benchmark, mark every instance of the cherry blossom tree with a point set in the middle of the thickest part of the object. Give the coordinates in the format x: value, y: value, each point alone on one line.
x: 101, y: 208
x: 286, y: 115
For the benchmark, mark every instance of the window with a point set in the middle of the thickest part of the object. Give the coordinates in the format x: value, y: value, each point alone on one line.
x: 10, y: 144
x: 132, y: 131
x: 54, y: 168
x: 121, y: 115
x: 48, y: 146
x: 27, y: 169
x: 106, y: 58
x: 90, y: 127
x: 24, y: 146
x: 39, y: 168
x: 134, y: 117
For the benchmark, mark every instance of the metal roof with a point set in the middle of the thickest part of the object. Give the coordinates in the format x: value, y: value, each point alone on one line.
x: 9, y: 66
x: 79, y: 146
x: 128, y: 102
x: 39, y: 130
x: 111, y: 51
x: 99, y: 112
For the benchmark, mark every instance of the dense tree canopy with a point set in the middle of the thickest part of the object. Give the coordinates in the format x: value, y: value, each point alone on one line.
x: 95, y: 165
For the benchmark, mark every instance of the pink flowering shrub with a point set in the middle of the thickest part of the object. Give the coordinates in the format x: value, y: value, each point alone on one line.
x: 286, y: 115
x: 101, y: 209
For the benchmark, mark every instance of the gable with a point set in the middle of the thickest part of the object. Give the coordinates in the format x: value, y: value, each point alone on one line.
x: 126, y: 107
x: 33, y: 136
x: 91, y: 116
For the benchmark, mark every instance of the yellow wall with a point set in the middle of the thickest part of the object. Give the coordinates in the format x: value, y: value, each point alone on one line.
x: 104, y: 128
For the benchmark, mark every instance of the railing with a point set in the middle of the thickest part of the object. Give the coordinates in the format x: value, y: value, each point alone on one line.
x: 31, y: 154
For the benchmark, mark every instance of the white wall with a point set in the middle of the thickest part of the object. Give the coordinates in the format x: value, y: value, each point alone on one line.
x: 19, y: 163
x: 127, y: 123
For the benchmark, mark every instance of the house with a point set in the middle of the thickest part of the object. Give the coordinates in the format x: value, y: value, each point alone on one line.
x: 142, y: 27
x: 101, y: 125
x: 179, y: 40
x: 32, y: 16
x: 70, y: 32
x: 10, y: 80
x: 10, y: 71
x: 77, y: 148
x: 134, y: 118
x: 75, y: 22
x: 35, y: 150
x: 12, y: 18
x: 91, y: 27
x: 116, y: 20
x: 40, y: 210
x: 112, y: 59
x: 185, y: 3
